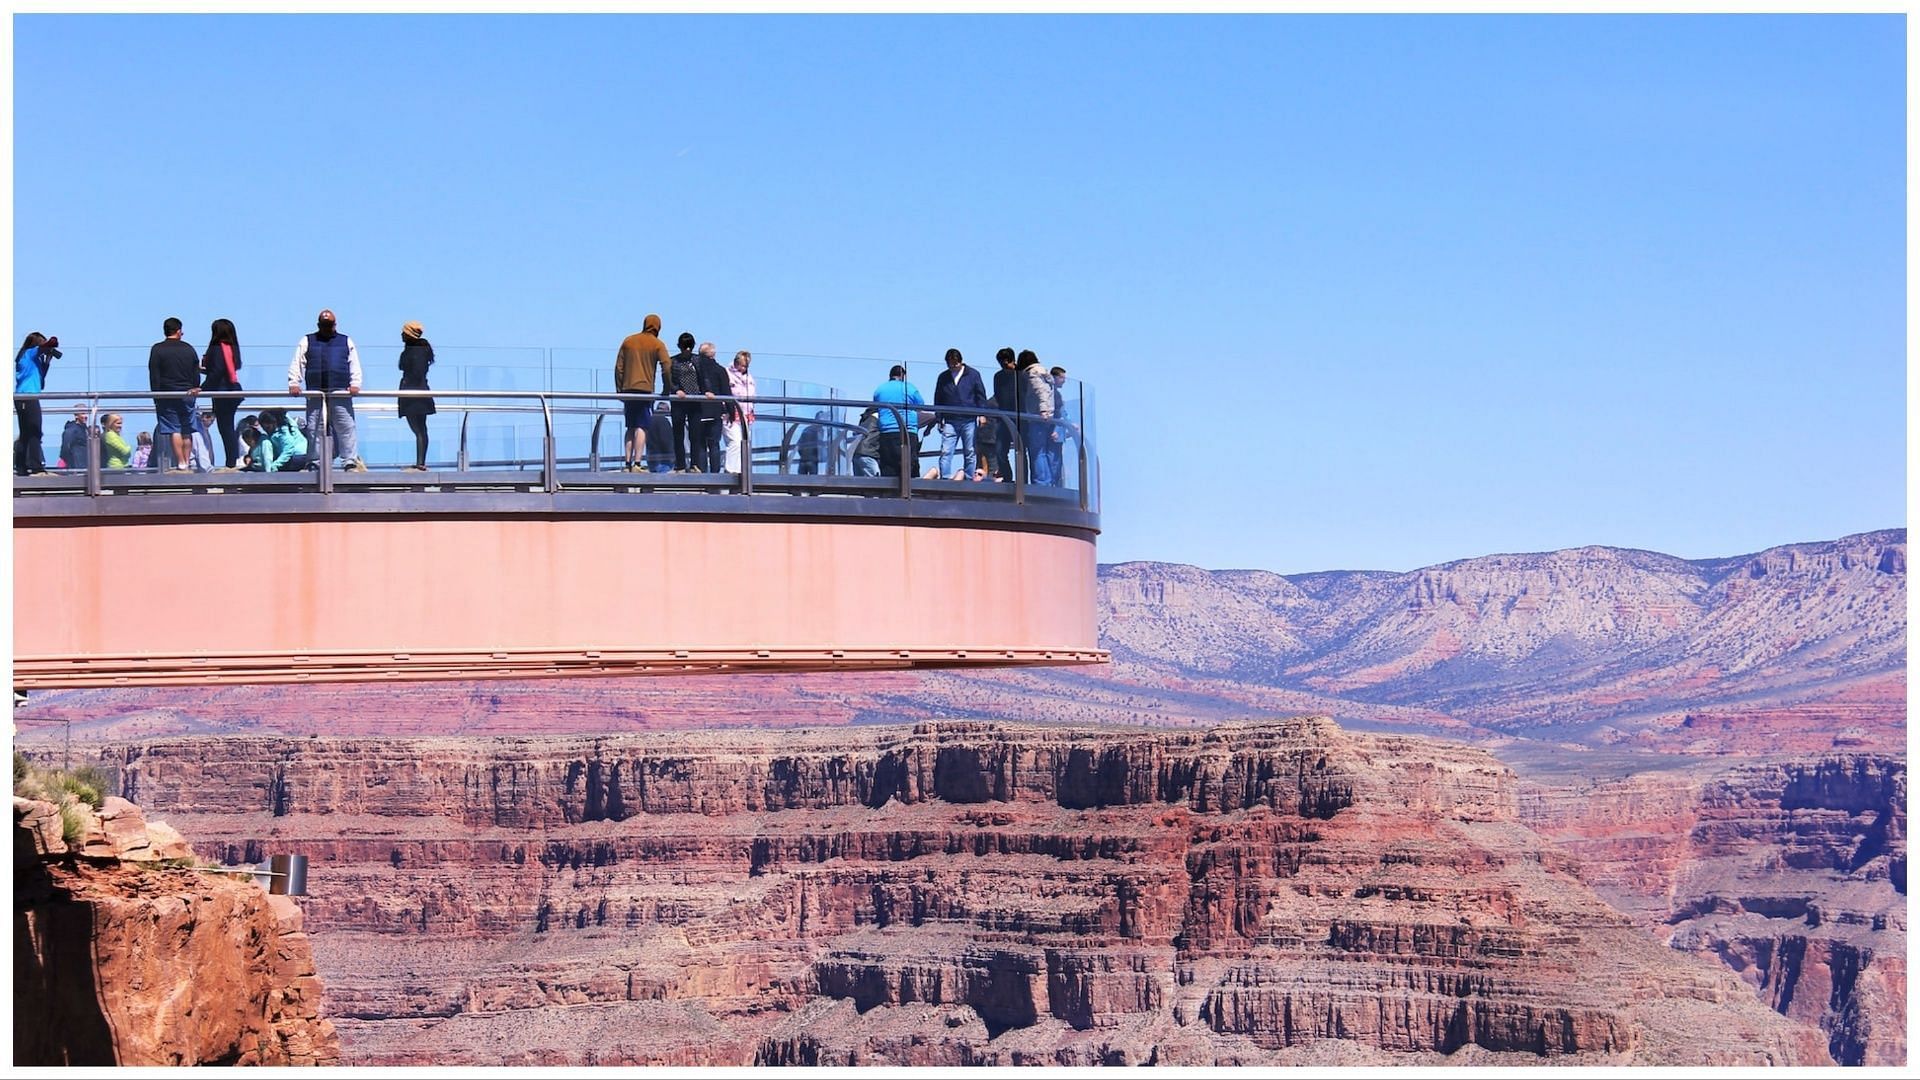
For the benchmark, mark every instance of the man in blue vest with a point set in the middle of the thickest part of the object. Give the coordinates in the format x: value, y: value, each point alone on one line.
x: 327, y: 360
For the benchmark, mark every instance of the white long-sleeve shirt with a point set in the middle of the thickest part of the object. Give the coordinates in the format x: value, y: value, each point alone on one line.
x: 297, y: 371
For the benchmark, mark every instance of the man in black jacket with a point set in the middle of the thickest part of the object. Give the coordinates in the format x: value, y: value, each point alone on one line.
x: 174, y: 368
x: 708, y: 454
x: 1006, y: 390
x: 682, y: 380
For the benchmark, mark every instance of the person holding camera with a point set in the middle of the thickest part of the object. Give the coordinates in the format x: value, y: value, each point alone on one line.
x: 30, y: 365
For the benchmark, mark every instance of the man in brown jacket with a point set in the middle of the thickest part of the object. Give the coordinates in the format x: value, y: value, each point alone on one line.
x: 640, y: 356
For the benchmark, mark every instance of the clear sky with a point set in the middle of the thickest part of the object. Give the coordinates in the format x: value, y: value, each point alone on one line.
x: 1353, y: 292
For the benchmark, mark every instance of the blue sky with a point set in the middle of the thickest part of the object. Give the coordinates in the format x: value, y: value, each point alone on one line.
x: 1354, y: 292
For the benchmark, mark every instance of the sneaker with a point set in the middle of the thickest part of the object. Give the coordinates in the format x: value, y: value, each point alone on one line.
x: 355, y: 465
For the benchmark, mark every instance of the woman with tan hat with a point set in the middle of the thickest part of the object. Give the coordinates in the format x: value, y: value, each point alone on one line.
x: 415, y: 358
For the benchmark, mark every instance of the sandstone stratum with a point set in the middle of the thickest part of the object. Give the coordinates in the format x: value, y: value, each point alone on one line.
x: 122, y: 956
x: 1791, y: 871
x: 943, y: 893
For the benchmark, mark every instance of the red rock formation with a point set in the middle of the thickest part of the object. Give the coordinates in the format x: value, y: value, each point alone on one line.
x: 1791, y: 872
x: 948, y: 893
x: 120, y: 959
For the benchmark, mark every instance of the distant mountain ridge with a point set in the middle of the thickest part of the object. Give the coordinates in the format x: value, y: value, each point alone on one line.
x: 1800, y: 646
x: 1522, y: 642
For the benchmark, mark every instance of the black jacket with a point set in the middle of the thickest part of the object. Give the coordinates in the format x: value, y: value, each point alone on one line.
x: 214, y: 364
x: 683, y: 374
x: 1006, y: 389
x: 713, y: 380
x: 415, y: 358
x: 868, y: 445
x: 173, y: 365
x: 73, y: 444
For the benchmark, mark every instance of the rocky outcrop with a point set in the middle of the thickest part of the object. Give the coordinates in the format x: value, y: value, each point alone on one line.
x: 1791, y: 872
x: 944, y: 893
x: 122, y: 956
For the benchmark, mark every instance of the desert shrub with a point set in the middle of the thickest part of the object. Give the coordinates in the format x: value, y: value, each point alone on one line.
x: 73, y: 823
x: 77, y: 793
x: 86, y: 785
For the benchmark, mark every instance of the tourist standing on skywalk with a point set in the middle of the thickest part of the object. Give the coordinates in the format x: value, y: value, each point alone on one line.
x: 30, y: 365
x: 1036, y: 416
x: 683, y: 379
x: 707, y: 454
x: 416, y: 356
x: 173, y: 370
x: 640, y: 356
x: 959, y: 387
x: 897, y: 426
x: 328, y: 360
x: 739, y: 429
x: 221, y: 366
x: 1057, y: 444
x: 1006, y: 398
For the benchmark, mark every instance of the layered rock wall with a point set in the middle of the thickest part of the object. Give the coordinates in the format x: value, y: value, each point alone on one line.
x: 947, y: 893
x: 1792, y: 872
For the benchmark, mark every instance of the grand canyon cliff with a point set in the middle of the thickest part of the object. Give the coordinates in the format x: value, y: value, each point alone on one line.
x: 1793, y: 872
x: 946, y: 893
x: 124, y: 956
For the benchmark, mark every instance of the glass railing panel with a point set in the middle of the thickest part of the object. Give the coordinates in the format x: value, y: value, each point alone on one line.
x: 502, y: 433
x: 794, y: 439
x: 1089, y: 433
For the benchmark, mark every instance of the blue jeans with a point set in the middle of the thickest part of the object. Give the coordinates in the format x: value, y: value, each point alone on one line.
x: 1038, y: 436
x: 958, y: 435
x: 340, y: 426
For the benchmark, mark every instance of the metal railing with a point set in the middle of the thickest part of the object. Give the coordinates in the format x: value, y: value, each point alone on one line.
x: 841, y: 439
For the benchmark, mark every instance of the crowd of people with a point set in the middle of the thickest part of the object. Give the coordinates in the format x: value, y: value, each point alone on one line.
x: 973, y: 446
x: 683, y: 412
x: 183, y: 437
x: 680, y: 397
